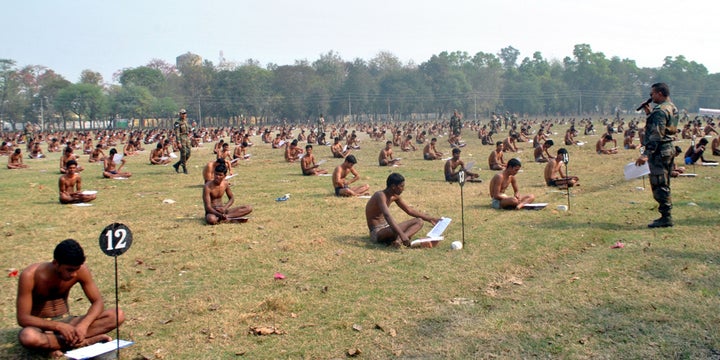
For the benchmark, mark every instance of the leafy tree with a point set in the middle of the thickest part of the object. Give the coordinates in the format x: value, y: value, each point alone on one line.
x: 359, y: 88
x: 133, y: 101
x: 444, y: 75
x: 91, y: 77
x: 81, y: 100
x: 152, y: 79
x: 509, y: 56
x: 686, y: 80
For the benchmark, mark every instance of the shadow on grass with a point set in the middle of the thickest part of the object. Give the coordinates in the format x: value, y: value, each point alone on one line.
x: 697, y: 221
x: 362, y: 241
x: 11, y: 348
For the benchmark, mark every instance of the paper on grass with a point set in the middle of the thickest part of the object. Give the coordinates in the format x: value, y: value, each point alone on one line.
x: 633, y: 171
x: 97, y: 349
x: 435, y: 234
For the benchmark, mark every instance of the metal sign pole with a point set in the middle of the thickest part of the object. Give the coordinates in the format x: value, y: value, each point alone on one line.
x: 461, y: 181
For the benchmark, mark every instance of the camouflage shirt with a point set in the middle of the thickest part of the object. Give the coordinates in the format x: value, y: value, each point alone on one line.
x: 181, y: 128
x: 659, y: 126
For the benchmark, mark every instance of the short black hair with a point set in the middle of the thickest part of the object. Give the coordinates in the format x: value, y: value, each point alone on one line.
x: 514, y: 162
x: 549, y: 142
x: 456, y: 151
x: 70, y: 163
x: 662, y: 88
x: 69, y: 252
x: 394, y: 179
x: 351, y: 159
x: 562, y: 151
x: 220, y: 167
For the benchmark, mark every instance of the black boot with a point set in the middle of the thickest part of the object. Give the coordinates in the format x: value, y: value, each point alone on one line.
x: 177, y: 167
x: 663, y: 221
x: 185, y: 170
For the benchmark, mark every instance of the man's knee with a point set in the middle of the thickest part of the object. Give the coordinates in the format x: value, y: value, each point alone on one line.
x: 120, y: 316
x: 29, y: 337
x: 211, y: 219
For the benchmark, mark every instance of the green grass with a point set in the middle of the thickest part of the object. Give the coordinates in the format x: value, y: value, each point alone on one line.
x: 528, y: 283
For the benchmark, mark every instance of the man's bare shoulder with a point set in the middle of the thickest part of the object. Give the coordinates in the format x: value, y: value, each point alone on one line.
x: 29, y: 272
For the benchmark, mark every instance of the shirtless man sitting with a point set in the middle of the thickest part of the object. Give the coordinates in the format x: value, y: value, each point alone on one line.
x: 454, y: 166
x: 500, y: 183
x: 570, y: 136
x: 292, y: 151
x: 157, y: 156
x: 715, y: 146
x: 600, y: 145
x: 382, y: 226
x: 628, y: 141
x: 554, y: 175
x: 15, y: 160
x: 385, y: 158
x: 43, y: 311
x: 97, y: 154
x: 495, y: 160
x: 36, y: 152
x: 6, y: 148
x: 407, y: 144
x: 111, y: 170
x: 341, y: 182
x: 337, y: 149
x: 307, y: 163
x: 430, y: 151
x: 509, y: 144
x: 67, y: 156
x: 213, y: 192
x: 541, y: 153
x: 70, y: 186
x: 239, y: 154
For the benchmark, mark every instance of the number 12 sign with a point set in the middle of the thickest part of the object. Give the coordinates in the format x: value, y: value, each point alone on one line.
x: 115, y: 239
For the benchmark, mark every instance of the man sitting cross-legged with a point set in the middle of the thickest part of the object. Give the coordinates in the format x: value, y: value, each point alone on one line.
x: 500, y: 183
x: 382, y: 226
x: 213, y: 192
x: 70, y: 186
x: 43, y: 311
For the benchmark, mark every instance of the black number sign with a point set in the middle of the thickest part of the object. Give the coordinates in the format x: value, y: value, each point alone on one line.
x: 115, y: 239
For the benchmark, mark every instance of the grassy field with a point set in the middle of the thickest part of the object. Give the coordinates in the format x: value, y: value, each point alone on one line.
x: 528, y: 284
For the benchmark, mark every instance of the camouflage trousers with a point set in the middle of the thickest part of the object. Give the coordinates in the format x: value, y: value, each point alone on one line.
x: 184, y: 150
x: 661, y: 164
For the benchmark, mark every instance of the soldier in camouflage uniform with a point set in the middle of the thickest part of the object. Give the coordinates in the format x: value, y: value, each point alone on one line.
x: 182, y: 136
x: 456, y: 123
x: 660, y: 125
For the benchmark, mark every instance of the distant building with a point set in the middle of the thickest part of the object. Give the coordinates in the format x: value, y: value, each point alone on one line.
x: 188, y: 59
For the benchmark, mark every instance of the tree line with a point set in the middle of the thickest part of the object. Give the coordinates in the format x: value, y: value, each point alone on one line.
x: 382, y: 88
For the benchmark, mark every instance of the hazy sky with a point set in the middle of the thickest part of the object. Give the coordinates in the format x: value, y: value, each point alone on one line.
x: 106, y: 36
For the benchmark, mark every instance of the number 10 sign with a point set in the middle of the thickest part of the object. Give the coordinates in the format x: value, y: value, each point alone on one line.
x: 115, y: 239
